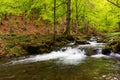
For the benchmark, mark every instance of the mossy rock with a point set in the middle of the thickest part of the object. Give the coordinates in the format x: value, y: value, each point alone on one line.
x: 100, y: 40
x: 59, y: 39
x: 65, y: 38
x: 114, y: 45
x: 81, y: 42
x: 116, y: 48
x: 70, y: 38
x: 106, y: 51
x: 91, y: 52
x: 44, y: 50
x: 31, y: 49
x: 15, y: 51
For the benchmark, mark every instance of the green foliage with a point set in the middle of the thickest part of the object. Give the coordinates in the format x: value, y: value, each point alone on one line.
x: 101, y: 15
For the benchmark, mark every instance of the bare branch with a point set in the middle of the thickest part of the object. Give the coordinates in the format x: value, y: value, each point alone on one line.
x: 60, y: 4
x: 114, y: 3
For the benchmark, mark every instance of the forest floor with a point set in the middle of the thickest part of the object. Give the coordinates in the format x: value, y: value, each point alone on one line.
x: 18, y: 38
x: 29, y: 38
x: 30, y: 44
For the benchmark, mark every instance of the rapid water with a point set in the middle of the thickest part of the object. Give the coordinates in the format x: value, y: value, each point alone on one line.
x: 69, y: 55
x: 68, y: 63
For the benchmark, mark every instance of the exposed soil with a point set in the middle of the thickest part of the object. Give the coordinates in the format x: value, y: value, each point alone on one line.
x: 20, y: 26
x: 18, y: 35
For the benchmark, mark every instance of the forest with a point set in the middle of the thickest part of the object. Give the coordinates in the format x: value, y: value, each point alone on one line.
x: 73, y: 18
x: 101, y: 16
x: 58, y: 37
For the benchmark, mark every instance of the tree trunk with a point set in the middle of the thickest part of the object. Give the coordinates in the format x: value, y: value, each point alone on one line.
x: 24, y: 22
x: 119, y: 25
x: 5, y: 17
x: 83, y: 23
x: 83, y: 20
x: 54, y: 35
x: 77, y: 22
x: 0, y: 21
x: 87, y: 27
x: 46, y: 22
x: 10, y: 24
x: 68, y: 18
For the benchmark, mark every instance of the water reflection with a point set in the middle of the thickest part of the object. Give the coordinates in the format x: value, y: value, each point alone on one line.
x: 90, y: 69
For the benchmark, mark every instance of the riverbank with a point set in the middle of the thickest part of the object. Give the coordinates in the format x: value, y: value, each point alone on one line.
x: 16, y: 45
x: 112, y: 43
x: 30, y: 44
x: 57, y: 64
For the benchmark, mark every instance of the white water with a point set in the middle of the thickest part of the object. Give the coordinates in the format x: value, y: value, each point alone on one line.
x: 68, y: 56
x: 99, y: 54
x: 115, y: 55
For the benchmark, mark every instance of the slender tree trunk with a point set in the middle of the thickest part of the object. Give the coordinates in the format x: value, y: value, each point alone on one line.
x: 83, y: 23
x: 119, y: 25
x: 10, y: 24
x: 68, y: 17
x: 46, y: 22
x: 83, y: 20
x: 5, y: 17
x: 72, y: 24
x: 54, y: 35
x: 24, y: 22
x: 0, y: 21
x: 87, y: 27
x: 11, y: 27
x: 77, y: 22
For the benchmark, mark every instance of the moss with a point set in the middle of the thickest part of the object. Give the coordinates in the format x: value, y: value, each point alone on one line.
x: 41, y: 51
x: 91, y: 52
x: 81, y: 42
x: 17, y: 51
x: 32, y: 44
x: 114, y: 45
x: 70, y: 38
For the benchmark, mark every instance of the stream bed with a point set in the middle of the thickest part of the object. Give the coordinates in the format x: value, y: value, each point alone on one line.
x: 69, y: 63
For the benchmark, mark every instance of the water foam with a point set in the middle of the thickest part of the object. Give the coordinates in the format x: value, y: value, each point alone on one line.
x: 100, y: 56
x: 66, y: 55
x: 70, y: 56
x: 116, y: 55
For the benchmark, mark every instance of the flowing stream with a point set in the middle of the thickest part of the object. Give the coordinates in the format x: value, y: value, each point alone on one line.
x: 69, y: 63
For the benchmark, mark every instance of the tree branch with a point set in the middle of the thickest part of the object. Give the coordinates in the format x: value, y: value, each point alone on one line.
x: 60, y: 4
x: 114, y: 3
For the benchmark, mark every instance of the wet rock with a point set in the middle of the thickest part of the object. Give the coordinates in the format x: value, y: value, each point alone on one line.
x: 81, y: 42
x: 44, y: 50
x: 114, y: 45
x: 100, y: 40
x: 106, y: 51
x: 63, y: 50
x: 32, y: 49
x: 91, y: 51
x: 116, y: 48
x: 94, y: 38
x: 70, y: 38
